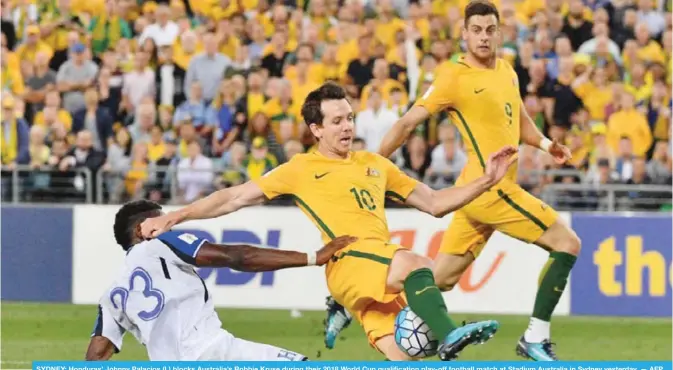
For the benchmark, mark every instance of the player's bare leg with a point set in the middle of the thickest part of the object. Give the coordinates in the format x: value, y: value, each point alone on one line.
x: 389, y: 348
x: 564, y: 247
x: 449, y: 268
x: 412, y: 274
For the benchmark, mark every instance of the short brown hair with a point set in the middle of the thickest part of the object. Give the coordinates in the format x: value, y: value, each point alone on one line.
x: 311, y: 111
x: 480, y: 7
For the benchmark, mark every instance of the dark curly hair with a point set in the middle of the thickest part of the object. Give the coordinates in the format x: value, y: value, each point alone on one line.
x: 129, y: 216
x: 311, y: 110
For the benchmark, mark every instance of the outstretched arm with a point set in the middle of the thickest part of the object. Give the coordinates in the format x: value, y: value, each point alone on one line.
x: 254, y: 259
x: 402, y: 129
x: 279, y: 181
x: 223, y: 202
x: 441, y: 202
x: 199, y: 252
x: 217, y: 204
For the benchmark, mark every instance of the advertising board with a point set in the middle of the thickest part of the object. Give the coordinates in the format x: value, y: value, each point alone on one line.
x: 625, y: 266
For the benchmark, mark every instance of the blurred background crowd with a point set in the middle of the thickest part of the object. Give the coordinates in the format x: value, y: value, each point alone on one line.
x: 170, y: 100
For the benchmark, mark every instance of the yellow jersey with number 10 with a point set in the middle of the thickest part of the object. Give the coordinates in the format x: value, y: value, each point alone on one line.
x: 341, y: 196
x: 484, y: 104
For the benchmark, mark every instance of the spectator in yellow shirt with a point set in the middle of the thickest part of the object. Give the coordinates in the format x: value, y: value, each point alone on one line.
x: 630, y: 123
x: 319, y: 17
x: 137, y: 174
x: 11, y: 78
x: 33, y: 45
x: 39, y: 151
x: 259, y: 161
x: 156, y: 147
x: 303, y: 82
x: 397, y: 54
x: 186, y: 46
x: 580, y: 152
x: 227, y: 41
x: 283, y: 110
x: 331, y: 69
x: 384, y: 84
x: 55, y: 27
x: 601, y: 148
x: 638, y: 82
x: 305, y: 64
x: 648, y: 49
x: 388, y: 23
x: 253, y: 102
x: 592, y: 87
x: 53, y: 112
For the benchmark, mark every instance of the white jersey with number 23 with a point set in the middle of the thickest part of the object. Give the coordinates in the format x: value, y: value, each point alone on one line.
x: 164, y: 303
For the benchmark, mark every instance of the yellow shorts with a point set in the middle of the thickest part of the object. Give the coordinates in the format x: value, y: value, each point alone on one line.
x: 508, y: 209
x: 356, y: 278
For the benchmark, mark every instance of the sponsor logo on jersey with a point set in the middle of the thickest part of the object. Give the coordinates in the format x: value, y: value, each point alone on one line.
x: 372, y: 172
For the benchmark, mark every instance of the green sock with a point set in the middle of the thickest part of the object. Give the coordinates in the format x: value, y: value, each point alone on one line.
x: 426, y: 301
x: 553, y: 280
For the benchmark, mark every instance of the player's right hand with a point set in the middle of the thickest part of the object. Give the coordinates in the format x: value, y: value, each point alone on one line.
x: 326, y: 252
x: 499, y: 162
x: 153, y: 227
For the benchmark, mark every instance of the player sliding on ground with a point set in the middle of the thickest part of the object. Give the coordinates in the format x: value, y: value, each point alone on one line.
x: 163, y: 302
x: 343, y: 193
x: 481, y: 93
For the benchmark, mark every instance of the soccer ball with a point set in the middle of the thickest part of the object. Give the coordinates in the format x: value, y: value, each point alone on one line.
x: 413, y: 335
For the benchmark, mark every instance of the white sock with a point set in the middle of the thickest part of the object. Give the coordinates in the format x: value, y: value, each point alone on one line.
x: 537, y: 331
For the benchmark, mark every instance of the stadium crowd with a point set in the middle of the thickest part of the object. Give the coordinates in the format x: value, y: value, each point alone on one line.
x: 213, y: 88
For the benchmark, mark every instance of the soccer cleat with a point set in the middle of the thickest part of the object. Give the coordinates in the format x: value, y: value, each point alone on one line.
x: 337, y: 320
x: 461, y: 337
x: 542, y: 351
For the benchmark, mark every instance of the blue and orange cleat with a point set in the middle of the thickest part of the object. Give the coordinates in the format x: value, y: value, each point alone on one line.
x: 542, y: 351
x: 337, y: 320
x: 461, y: 337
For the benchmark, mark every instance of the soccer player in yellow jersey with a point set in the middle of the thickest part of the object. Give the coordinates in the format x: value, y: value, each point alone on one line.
x: 343, y: 193
x: 481, y: 93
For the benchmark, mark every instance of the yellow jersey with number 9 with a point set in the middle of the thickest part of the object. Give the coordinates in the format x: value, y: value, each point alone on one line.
x: 485, y: 106
x: 341, y: 196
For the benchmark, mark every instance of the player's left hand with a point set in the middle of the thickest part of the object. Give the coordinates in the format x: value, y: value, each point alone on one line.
x: 325, y: 253
x: 153, y: 227
x: 499, y: 162
x: 559, y: 152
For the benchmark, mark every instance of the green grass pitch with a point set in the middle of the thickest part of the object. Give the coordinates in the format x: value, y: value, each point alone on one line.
x: 61, y: 332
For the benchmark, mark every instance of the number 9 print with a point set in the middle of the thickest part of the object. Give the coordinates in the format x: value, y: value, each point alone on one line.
x: 148, y: 291
x: 508, y: 112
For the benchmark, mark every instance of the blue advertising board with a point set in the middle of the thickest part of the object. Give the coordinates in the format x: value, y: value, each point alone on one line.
x: 624, y: 268
x: 36, y: 253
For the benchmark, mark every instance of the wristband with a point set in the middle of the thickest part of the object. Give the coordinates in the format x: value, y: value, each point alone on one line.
x: 311, y: 258
x: 545, y: 144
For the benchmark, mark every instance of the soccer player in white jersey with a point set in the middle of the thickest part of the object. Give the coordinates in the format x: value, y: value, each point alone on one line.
x: 164, y: 303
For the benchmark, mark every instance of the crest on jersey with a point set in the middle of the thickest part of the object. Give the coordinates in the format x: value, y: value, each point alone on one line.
x: 371, y: 172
